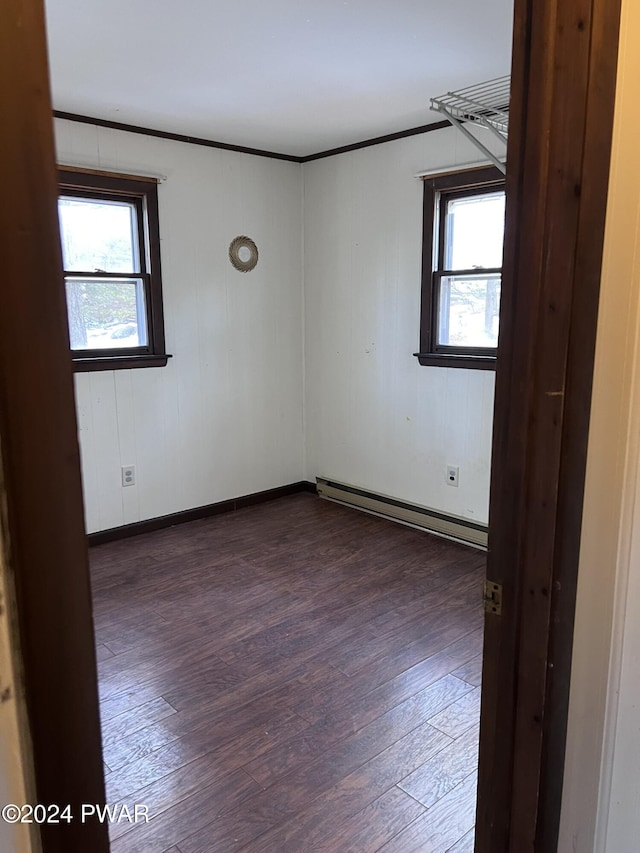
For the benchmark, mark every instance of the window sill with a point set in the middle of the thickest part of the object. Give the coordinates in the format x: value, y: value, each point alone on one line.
x: 467, y: 362
x: 125, y: 362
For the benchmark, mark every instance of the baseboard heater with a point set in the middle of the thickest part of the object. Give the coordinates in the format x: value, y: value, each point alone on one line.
x: 451, y: 526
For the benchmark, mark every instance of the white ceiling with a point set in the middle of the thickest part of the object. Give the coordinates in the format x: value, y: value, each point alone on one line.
x: 292, y: 76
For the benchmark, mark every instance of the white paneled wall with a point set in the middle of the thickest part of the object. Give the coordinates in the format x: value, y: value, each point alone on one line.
x: 375, y: 417
x: 224, y: 418
x: 228, y: 415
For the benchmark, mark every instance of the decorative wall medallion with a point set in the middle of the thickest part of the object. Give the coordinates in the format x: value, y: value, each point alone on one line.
x: 243, y: 253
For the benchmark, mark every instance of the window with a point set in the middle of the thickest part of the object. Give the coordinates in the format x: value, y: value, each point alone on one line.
x: 111, y: 258
x: 461, y: 268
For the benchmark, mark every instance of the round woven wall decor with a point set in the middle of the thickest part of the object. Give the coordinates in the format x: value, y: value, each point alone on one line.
x: 243, y: 253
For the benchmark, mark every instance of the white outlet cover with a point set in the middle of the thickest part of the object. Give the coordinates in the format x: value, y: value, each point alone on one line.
x: 128, y: 473
x: 453, y: 475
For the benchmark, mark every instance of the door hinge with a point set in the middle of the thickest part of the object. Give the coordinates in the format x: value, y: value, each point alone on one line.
x: 493, y: 597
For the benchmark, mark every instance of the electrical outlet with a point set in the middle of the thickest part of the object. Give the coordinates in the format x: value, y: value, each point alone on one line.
x: 453, y: 474
x: 128, y: 475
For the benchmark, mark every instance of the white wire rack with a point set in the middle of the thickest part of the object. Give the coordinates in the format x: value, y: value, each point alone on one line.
x: 485, y: 105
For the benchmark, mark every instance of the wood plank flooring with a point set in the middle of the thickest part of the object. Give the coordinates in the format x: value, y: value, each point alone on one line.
x: 295, y: 676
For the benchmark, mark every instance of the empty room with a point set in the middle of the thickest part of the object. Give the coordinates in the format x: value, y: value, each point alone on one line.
x: 294, y: 674
x: 280, y: 230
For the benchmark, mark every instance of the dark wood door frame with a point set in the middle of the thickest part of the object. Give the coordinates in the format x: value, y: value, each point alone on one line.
x: 563, y: 87
x: 44, y: 523
x: 562, y: 95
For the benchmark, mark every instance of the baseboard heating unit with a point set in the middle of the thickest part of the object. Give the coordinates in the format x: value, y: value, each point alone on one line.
x: 451, y: 526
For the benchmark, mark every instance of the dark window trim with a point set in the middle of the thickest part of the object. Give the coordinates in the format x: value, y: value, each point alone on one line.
x: 438, y: 190
x: 86, y: 365
x: 143, y: 192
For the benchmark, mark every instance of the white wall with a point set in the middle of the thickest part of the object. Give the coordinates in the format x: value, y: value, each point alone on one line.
x: 224, y: 418
x: 601, y: 796
x: 618, y: 827
x: 376, y: 418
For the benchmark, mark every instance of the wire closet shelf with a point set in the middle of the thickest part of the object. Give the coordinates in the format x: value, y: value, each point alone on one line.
x: 483, y: 105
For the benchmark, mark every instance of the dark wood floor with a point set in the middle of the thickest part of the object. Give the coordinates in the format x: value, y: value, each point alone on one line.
x: 295, y: 676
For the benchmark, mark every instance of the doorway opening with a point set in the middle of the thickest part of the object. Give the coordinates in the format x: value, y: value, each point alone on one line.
x: 517, y: 813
